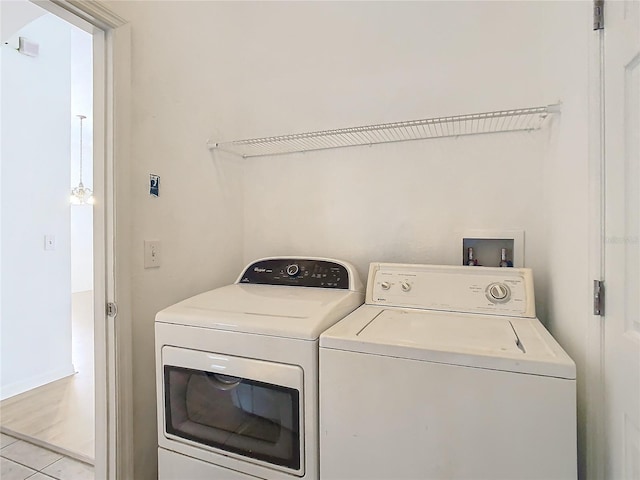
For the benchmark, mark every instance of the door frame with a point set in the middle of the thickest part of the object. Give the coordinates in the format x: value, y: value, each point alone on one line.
x: 112, y: 337
x: 594, y: 417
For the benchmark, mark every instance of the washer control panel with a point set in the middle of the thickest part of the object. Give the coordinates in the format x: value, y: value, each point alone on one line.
x: 499, y: 291
x: 299, y: 272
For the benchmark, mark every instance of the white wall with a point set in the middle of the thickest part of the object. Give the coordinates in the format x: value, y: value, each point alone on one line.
x: 231, y: 70
x: 15, y: 15
x: 36, y: 309
x: 566, y: 286
x: 180, y: 97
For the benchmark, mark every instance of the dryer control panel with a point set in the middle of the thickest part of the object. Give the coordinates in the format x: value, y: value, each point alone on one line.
x: 299, y: 272
x: 496, y: 291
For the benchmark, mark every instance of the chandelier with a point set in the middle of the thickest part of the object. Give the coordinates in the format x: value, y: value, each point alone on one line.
x: 81, y: 195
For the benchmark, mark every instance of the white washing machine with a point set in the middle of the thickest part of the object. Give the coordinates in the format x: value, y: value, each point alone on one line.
x: 446, y: 373
x: 237, y: 371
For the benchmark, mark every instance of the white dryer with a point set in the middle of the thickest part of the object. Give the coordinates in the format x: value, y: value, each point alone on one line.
x: 446, y: 373
x: 237, y: 371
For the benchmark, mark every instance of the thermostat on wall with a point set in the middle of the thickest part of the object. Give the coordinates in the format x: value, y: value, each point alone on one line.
x: 27, y: 47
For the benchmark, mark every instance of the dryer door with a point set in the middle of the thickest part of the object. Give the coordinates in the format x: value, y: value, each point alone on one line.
x: 250, y: 409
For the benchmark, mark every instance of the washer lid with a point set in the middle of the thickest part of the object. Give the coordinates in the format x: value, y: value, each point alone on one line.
x: 491, y: 336
x: 512, y: 344
x: 282, y: 311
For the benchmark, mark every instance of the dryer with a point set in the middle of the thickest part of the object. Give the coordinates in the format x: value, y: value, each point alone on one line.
x: 237, y: 371
x: 446, y: 372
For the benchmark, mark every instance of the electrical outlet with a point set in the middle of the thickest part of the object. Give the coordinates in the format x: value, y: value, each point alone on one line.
x: 151, y: 253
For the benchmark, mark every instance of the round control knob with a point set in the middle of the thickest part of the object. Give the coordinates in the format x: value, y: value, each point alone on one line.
x: 499, y: 291
x: 405, y: 286
x: 385, y: 285
x: 293, y: 270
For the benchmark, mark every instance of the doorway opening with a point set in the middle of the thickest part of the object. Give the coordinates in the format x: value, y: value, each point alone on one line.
x: 47, y: 383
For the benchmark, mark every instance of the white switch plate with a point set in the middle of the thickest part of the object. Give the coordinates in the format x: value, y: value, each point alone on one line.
x: 49, y: 242
x: 151, y: 253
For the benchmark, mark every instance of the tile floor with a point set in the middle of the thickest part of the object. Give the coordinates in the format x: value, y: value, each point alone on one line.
x: 21, y: 460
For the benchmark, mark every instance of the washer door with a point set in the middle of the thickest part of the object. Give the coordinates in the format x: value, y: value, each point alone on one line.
x: 250, y: 409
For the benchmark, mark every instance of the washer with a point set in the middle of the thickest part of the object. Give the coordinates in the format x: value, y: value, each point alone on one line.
x: 237, y: 371
x: 446, y: 372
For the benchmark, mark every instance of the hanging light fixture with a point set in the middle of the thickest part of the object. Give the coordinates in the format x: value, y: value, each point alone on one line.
x: 81, y: 195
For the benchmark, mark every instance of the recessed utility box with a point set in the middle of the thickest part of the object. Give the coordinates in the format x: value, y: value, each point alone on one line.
x: 487, y: 246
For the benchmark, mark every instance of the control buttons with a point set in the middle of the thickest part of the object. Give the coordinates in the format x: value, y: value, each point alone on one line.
x: 404, y: 286
x: 498, y: 293
x: 293, y: 270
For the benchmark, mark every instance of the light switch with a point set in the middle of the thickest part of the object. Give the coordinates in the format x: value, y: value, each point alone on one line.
x: 49, y: 242
x: 151, y: 253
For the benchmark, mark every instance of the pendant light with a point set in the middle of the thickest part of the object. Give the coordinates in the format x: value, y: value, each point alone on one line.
x: 81, y: 195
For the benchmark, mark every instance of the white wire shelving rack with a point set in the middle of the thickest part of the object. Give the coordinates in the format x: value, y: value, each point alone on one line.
x: 522, y: 119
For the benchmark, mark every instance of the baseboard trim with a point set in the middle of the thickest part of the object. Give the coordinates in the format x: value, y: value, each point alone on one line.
x: 16, y: 388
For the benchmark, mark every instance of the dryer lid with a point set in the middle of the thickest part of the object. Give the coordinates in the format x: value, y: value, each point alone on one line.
x: 283, y: 311
x: 513, y: 344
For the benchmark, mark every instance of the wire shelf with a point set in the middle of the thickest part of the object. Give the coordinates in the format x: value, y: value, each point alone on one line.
x: 522, y: 119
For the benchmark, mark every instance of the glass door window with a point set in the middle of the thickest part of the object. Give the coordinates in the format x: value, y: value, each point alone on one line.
x: 240, y: 415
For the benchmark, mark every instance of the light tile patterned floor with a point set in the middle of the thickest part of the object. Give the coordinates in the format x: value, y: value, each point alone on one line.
x: 20, y: 460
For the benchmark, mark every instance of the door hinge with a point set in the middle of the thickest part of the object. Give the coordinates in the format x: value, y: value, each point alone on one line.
x: 598, y: 14
x: 598, y: 297
x: 112, y: 309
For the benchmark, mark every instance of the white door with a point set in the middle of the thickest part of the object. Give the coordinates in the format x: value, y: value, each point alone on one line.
x: 621, y: 241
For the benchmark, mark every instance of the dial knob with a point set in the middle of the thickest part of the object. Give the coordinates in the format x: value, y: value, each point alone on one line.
x: 499, y: 291
x: 405, y: 286
x: 293, y: 270
x: 385, y: 285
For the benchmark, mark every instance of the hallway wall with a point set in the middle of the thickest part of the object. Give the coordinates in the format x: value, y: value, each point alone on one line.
x: 81, y: 104
x: 36, y: 282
